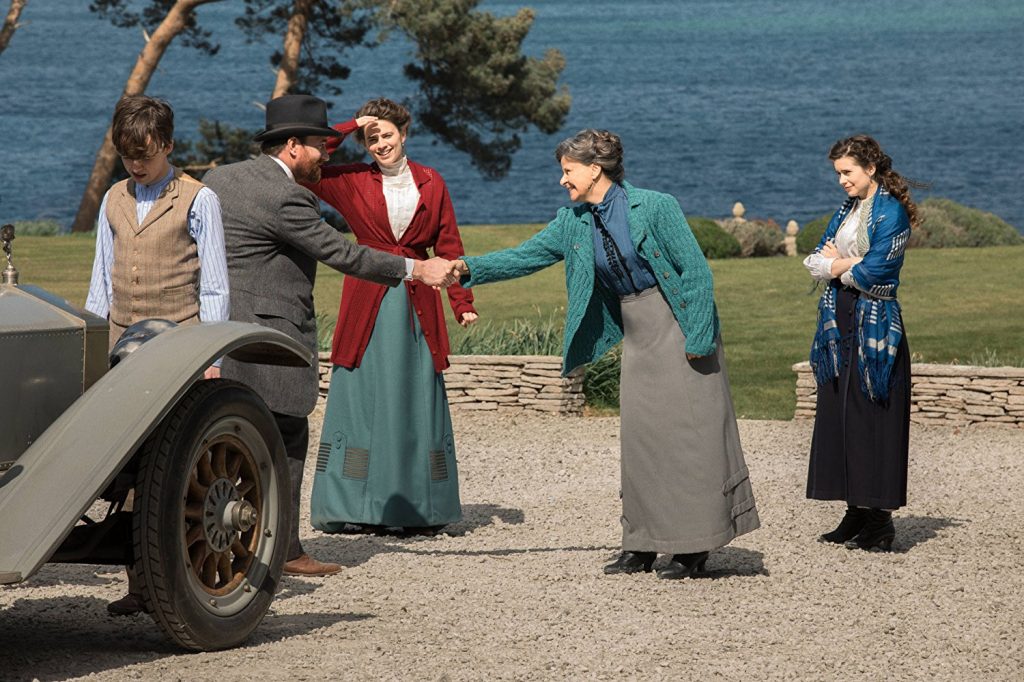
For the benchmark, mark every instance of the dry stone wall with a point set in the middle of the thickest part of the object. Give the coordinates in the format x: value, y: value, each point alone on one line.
x: 503, y: 383
x: 945, y: 395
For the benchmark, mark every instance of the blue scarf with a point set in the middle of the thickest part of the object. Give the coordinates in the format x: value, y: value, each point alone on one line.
x: 616, y: 261
x: 879, y: 332
x: 878, y: 318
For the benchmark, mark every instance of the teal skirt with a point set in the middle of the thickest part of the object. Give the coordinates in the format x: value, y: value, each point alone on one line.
x: 387, y: 456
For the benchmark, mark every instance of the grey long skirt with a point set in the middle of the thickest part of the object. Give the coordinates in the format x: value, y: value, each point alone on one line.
x: 685, y: 486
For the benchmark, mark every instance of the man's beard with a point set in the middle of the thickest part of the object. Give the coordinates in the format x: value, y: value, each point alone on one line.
x: 309, y: 174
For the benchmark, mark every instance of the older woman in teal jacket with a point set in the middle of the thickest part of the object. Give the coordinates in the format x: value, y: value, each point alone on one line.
x: 634, y: 272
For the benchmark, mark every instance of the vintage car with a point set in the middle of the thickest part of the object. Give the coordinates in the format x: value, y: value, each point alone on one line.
x: 144, y: 463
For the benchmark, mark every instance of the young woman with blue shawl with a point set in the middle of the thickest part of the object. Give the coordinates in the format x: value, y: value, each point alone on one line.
x: 860, y: 356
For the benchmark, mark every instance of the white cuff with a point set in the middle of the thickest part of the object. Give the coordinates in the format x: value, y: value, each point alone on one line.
x: 819, y: 267
x: 409, y: 265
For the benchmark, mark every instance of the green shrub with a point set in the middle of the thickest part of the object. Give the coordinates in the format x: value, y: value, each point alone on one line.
x: 992, y: 358
x: 809, y: 236
x: 325, y: 331
x: 945, y: 224
x: 37, y: 228
x: 601, y: 381
x: 521, y: 337
x: 756, y: 237
x: 544, y: 337
x: 714, y: 241
x: 539, y: 336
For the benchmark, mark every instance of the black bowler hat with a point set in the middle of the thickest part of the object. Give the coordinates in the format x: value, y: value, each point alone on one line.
x: 295, y: 116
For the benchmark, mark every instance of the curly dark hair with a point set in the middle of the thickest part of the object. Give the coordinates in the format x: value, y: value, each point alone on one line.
x: 387, y: 110
x: 602, y: 147
x: 866, y: 151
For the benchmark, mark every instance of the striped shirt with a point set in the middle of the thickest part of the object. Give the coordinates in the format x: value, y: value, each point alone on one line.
x: 205, y: 228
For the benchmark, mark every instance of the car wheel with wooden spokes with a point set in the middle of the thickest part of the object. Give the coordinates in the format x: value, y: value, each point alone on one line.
x: 210, y: 516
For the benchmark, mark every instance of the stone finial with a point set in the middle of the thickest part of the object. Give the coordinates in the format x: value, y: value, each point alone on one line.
x: 738, y: 210
x: 792, y: 228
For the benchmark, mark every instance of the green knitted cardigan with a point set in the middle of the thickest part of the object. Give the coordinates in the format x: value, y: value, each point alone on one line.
x: 593, y: 320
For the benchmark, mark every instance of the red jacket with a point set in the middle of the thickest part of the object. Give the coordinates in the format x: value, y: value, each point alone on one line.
x: 357, y: 192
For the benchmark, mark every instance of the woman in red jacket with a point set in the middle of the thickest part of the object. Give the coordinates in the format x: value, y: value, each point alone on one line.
x: 387, y: 455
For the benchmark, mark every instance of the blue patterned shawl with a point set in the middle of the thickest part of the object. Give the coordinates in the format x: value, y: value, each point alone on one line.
x: 879, y: 319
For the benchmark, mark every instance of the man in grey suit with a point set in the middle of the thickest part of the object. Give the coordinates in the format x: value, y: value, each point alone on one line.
x: 274, y: 237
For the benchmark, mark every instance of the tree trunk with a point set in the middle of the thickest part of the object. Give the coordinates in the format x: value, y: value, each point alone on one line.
x: 289, y: 67
x: 11, y: 23
x: 106, y: 158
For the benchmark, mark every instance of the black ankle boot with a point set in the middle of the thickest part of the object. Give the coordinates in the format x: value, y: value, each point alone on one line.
x: 632, y: 562
x: 683, y: 566
x: 852, y: 523
x: 877, y: 534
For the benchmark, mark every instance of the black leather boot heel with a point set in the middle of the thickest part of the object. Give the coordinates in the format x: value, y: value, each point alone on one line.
x: 877, y: 534
x: 852, y: 523
x: 683, y: 566
x: 632, y: 562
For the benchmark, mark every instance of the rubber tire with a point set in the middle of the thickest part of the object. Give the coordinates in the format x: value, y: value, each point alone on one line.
x: 162, y: 568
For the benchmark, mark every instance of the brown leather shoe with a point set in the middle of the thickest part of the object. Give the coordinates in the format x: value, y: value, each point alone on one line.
x: 128, y: 605
x: 307, y: 565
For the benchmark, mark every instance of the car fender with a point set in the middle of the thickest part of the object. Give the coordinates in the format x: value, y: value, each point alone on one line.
x: 60, y: 476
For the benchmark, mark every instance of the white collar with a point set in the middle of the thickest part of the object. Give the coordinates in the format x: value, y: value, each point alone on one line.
x: 283, y: 165
x: 397, y: 169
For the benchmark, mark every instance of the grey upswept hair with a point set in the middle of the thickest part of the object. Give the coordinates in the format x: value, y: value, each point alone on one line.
x: 588, y: 146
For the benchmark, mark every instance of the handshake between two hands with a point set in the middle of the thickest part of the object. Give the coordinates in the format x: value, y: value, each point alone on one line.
x: 439, y: 272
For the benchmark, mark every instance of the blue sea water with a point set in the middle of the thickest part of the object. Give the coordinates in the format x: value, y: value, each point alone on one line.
x: 716, y: 100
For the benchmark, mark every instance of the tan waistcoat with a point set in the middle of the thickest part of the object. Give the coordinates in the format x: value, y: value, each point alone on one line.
x: 155, y: 271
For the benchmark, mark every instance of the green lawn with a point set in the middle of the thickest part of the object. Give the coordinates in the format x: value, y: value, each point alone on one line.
x: 960, y: 305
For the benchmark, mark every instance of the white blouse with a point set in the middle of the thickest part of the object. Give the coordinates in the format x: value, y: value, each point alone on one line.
x: 845, y: 240
x: 401, y: 195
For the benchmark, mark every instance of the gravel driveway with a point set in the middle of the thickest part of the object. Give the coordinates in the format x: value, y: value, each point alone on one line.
x: 516, y: 591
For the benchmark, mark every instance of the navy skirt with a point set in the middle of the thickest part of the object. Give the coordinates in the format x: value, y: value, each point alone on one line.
x: 859, y: 447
